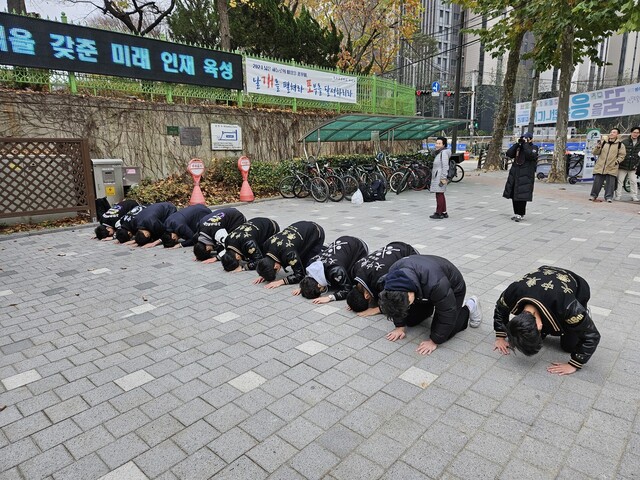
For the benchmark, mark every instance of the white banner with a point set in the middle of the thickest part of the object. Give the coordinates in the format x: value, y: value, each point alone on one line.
x: 226, y: 137
x: 287, y: 81
x: 611, y: 102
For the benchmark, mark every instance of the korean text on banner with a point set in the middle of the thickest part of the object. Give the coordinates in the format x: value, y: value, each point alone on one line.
x: 284, y: 80
x: 618, y: 101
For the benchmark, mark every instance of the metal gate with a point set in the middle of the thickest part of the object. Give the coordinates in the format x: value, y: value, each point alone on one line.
x: 45, y: 176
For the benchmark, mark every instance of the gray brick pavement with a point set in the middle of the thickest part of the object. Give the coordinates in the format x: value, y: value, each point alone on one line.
x: 334, y: 409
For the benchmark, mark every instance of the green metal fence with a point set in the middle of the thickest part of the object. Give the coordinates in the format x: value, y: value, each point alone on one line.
x: 375, y: 94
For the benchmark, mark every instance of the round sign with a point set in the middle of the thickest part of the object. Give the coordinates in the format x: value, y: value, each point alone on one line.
x: 244, y: 163
x: 195, y: 167
x: 593, y: 135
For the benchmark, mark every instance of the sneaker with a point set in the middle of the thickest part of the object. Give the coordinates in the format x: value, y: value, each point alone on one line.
x: 634, y: 199
x: 516, y: 218
x: 609, y: 200
x: 437, y: 216
x: 591, y: 199
x: 475, y: 311
x: 617, y: 199
x: 445, y: 215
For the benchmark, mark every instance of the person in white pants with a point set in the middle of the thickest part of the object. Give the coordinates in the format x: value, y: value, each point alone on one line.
x: 628, y: 166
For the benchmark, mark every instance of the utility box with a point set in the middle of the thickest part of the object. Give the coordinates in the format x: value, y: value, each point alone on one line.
x: 107, y: 175
x: 130, y: 178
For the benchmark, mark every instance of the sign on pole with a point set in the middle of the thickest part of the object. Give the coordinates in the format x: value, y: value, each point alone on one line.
x: 435, y: 87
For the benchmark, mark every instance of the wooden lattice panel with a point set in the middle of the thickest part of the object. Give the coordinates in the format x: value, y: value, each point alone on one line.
x: 42, y: 176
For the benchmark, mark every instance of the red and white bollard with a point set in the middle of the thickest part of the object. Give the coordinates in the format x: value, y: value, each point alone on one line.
x: 196, y: 169
x: 246, y: 194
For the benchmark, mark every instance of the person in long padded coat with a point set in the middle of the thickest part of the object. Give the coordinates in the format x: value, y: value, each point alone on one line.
x: 439, y: 178
x: 416, y: 286
x: 519, y: 186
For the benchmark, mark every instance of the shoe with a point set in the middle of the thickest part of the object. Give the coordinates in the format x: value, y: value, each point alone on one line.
x: 609, y: 200
x: 634, y: 199
x: 445, y: 215
x: 591, y: 199
x: 516, y: 218
x: 437, y: 216
x: 475, y: 311
x: 617, y: 199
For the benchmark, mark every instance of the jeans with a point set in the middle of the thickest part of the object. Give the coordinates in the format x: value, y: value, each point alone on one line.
x: 609, y: 188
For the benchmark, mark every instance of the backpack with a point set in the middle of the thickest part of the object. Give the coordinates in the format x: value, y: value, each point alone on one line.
x: 378, y: 188
x: 367, y: 192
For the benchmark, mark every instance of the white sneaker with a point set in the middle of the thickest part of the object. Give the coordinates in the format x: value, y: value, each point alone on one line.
x: 475, y: 311
x: 516, y: 218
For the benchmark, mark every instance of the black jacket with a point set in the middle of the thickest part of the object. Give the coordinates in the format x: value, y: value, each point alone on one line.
x: 631, y: 160
x: 126, y: 222
x: 152, y: 218
x: 248, y: 240
x: 561, y: 297
x: 294, y: 247
x: 522, y: 174
x: 227, y: 218
x: 185, y: 223
x: 339, y: 261
x: 115, y: 213
x: 371, y: 270
x: 438, y: 281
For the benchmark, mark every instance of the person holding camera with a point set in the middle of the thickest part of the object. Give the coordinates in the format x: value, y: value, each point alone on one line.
x: 519, y: 186
x: 610, y: 152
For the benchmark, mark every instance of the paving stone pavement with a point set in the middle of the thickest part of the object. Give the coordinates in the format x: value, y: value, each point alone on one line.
x: 138, y: 364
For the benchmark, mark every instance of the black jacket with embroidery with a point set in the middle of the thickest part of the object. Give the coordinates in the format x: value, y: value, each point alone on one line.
x: 152, y: 218
x: 294, y: 247
x: 561, y: 297
x: 126, y: 222
x: 371, y: 270
x: 248, y: 240
x: 117, y: 212
x: 436, y: 280
x: 340, y: 260
x: 185, y: 222
x: 227, y: 218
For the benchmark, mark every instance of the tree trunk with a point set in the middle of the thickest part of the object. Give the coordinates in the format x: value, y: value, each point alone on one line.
x: 506, y: 104
x: 16, y: 6
x: 225, y: 32
x: 558, y: 173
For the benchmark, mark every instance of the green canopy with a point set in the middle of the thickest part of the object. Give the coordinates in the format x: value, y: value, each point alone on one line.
x: 347, y: 128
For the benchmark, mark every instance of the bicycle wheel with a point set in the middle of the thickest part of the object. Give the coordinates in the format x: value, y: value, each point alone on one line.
x: 459, y: 174
x: 301, y: 186
x: 395, y: 180
x: 319, y: 189
x: 336, y: 187
x: 350, y: 185
x: 286, y: 186
x: 421, y: 178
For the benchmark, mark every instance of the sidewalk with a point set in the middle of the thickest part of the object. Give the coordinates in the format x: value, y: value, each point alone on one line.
x: 142, y: 364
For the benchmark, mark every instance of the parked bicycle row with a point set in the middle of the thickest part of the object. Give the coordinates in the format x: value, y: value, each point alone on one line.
x: 324, y: 181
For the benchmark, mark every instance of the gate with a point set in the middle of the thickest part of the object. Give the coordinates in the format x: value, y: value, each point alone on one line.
x: 45, y: 176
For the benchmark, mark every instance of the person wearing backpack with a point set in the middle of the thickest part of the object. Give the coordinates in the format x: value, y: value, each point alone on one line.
x: 519, y: 186
x: 439, y: 181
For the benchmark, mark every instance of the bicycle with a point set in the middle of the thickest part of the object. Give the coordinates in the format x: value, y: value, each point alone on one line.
x: 334, y: 182
x: 300, y: 185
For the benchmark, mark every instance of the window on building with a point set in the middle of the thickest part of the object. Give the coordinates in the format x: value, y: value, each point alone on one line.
x: 441, y: 13
x: 446, y: 17
x: 439, y: 61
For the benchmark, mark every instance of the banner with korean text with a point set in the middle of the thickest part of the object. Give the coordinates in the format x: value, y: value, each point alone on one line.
x: 284, y: 80
x: 610, y: 102
x: 31, y: 42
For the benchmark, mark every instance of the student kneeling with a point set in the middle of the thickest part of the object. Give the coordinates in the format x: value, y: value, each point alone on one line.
x: 416, y: 286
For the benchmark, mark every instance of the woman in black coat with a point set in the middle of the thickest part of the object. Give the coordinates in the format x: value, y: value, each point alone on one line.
x: 519, y: 187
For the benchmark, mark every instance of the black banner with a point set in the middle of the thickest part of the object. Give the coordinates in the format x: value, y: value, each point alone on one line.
x: 31, y: 42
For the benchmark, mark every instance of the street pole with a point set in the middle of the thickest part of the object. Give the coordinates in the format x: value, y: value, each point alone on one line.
x: 534, y: 99
x: 472, y: 129
x: 456, y: 100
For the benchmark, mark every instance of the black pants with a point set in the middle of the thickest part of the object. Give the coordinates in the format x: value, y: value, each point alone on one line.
x: 519, y: 207
x: 420, y: 311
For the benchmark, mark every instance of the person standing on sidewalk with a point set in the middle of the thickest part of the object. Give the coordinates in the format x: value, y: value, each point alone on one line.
x: 629, y: 165
x: 519, y: 186
x: 610, y: 154
x: 439, y: 178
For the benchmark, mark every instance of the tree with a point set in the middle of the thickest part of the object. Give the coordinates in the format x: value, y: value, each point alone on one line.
x: 139, y: 17
x: 259, y: 27
x: 504, y: 36
x: 572, y: 31
x: 372, y: 30
x: 16, y: 6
